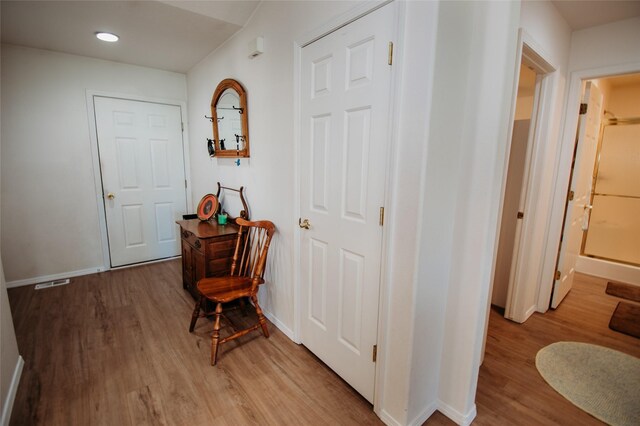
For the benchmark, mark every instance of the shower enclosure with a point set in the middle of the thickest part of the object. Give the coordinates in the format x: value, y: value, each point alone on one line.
x: 613, y: 228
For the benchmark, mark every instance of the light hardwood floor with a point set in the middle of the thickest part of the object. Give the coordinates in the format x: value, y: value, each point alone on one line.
x: 113, y: 349
x: 510, y: 389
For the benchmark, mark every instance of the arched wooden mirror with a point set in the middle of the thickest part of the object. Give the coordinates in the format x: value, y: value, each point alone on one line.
x: 230, y: 119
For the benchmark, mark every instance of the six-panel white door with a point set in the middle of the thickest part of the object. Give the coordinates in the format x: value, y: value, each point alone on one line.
x: 577, y: 212
x: 345, y: 85
x: 142, y: 165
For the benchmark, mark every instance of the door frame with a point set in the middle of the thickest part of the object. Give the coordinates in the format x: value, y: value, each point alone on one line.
x: 562, y: 169
x: 528, y: 51
x: 95, y: 156
x: 300, y: 42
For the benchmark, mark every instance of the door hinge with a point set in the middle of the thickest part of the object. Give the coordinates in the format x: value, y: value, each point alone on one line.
x: 390, y: 61
x: 583, y: 109
x: 520, y: 215
x: 381, y: 216
x: 558, y: 275
x: 571, y: 195
x: 185, y: 183
x: 182, y: 126
x: 374, y: 354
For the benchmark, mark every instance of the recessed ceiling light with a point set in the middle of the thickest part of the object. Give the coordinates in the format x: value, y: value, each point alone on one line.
x: 107, y: 37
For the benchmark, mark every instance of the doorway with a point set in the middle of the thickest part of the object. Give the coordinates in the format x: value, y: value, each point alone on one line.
x: 519, y: 157
x: 344, y: 117
x: 513, y: 257
x: 142, y: 169
x: 604, y: 193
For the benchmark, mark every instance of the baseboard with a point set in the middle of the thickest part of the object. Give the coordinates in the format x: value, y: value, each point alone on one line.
x: 281, y: 326
x: 424, y: 414
x: 11, y: 394
x: 455, y: 415
x: 530, y: 312
x: 388, y: 419
x: 610, y: 270
x: 45, y: 278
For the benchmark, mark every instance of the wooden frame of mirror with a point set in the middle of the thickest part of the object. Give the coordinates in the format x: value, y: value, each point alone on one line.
x: 233, y: 149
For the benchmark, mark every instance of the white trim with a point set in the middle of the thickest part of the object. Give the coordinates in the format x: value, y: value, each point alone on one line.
x: 11, y: 394
x: 609, y: 270
x: 529, y: 51
x: 395, y: 105
x: 455, y: 415
x: 562, y: 170
x: 281, y: 326
x: 425, y: 414
x: 388, y: 419
x: 297, y: 279
x: 339, y: 21
x: 97, y: 175
x: 53, y: 277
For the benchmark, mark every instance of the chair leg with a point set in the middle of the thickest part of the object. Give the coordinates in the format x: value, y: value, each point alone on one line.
x: 196, y: 314
x: 261, y: 318
x: 215, y: 337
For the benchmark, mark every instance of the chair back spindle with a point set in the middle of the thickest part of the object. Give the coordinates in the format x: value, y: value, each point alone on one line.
x: 252, y: 245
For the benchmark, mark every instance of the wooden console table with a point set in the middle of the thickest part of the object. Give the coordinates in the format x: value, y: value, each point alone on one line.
x: 207, y: 250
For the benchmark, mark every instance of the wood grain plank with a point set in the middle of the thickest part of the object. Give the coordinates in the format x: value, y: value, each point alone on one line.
x: 114, y: 348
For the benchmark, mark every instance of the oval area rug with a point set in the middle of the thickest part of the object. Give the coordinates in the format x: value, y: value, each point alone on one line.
x: 603, y: 382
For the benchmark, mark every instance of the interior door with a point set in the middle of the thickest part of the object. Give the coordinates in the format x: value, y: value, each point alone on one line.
x: 143, y: 180
x: 578, y: 205
x: 345, y: 84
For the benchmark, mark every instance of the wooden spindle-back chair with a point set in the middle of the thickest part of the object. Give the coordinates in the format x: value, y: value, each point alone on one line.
x: 247, y: 273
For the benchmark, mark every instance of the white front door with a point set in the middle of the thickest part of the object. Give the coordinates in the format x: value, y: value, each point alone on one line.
x: 345, y: 85
x: 143, y: 179
x: 577, y: 211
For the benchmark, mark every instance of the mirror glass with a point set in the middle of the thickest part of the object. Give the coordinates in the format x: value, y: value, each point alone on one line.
x: 230, y: 123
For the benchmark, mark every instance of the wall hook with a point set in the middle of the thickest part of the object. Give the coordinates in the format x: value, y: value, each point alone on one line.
x: 208, y: 118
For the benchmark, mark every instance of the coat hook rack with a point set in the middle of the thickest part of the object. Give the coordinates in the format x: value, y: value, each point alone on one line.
x: 210, y: 147
x: 208, y: 118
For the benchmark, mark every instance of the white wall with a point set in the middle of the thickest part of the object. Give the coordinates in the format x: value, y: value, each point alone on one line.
x: 268, y: 176
x: 484, y: 36
x: 49, y: 211
x: 605, y: 45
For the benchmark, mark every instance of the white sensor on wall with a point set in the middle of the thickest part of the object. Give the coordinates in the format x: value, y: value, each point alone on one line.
x: 256, y: 47
x: 111, y: 38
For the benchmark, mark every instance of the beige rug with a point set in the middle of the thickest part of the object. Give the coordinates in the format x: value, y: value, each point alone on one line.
x: 603, y: 382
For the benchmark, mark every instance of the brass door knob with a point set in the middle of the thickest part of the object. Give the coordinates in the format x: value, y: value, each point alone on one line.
x: 111, y: 195
x: 304, y: 224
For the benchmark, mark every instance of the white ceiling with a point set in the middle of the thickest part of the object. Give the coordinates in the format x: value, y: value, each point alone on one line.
x: 581, y: 14
x: 176, y: 35
x: 169, y: 35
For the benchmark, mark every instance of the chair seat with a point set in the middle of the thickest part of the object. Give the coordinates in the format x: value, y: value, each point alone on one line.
x: 225, y: 289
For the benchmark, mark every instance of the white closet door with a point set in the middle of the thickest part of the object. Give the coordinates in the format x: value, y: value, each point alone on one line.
x: 345, y: 85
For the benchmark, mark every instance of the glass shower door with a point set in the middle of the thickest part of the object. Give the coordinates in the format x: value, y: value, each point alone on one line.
x: 614, y: 225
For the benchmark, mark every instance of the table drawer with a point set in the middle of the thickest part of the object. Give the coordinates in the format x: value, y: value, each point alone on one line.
x: 192, y: 240
x: 221, y: 247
